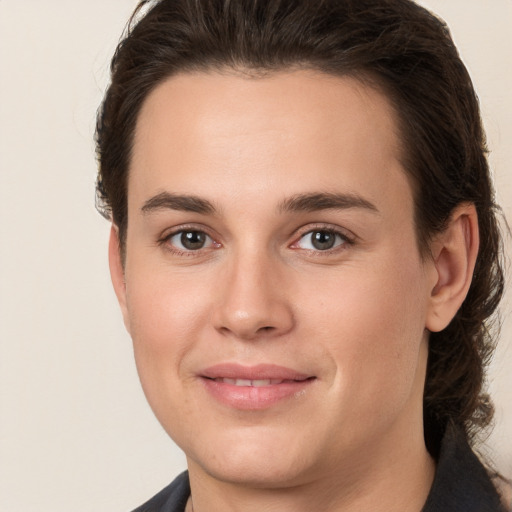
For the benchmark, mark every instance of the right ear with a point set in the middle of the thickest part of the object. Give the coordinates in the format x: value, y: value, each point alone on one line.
x: 117, y: 272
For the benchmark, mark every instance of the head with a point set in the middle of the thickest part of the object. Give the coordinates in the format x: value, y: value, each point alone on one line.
x: 392, y: 47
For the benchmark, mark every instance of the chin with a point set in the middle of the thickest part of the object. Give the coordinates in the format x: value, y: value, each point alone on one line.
x: 255, y: 459
x: 256, y: 474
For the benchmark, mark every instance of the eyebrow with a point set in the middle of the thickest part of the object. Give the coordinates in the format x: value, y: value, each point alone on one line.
x: 186, y: 203
x: 325, y: 201
x: 298, y: 203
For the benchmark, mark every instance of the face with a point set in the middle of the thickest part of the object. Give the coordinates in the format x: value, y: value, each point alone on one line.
x: 273, y: 286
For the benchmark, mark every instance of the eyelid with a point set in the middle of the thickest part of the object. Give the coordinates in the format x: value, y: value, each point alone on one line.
x: 348, y: 237
x: 163, y: 239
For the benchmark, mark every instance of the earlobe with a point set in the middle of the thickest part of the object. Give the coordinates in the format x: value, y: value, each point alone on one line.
x: 454, y: 253
x: 117, y: 272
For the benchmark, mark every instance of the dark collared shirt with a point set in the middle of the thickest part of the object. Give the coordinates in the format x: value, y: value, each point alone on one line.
x: 461, y: 484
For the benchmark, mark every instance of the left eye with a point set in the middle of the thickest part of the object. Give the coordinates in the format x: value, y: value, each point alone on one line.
x: 190, y: 240
x: 320, y: 240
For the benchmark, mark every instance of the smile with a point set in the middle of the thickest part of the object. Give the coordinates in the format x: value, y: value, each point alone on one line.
x: 253, y: 383
x: 256, y: 387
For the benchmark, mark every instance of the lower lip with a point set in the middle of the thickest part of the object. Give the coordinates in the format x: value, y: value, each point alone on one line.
x: 255, y: 397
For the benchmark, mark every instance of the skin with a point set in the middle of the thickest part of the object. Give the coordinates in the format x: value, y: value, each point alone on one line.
x: 355, y: 316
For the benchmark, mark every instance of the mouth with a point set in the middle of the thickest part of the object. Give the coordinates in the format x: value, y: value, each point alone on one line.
x: 256, y: 383
x: 255, y: 387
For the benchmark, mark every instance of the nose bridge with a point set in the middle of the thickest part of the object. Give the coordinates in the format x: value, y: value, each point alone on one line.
x: 253, y: 298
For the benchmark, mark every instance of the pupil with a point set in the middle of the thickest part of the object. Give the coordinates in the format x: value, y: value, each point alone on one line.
x: 323, y: 240
x: 192, y: 239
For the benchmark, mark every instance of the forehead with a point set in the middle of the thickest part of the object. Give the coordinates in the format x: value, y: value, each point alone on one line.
x: 299, y: 130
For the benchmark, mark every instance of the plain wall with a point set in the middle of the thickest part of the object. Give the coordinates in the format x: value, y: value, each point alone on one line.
x: 75, y: 431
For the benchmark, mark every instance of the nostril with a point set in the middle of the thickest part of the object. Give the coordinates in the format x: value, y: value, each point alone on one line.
x: 255, y: 320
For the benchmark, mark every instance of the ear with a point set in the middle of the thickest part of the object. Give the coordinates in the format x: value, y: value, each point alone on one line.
x: 454, y: 254
x: 117, y: 272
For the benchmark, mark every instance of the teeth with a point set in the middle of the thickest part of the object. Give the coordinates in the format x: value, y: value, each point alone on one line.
x: 246, y: 382
x: 262, y: 382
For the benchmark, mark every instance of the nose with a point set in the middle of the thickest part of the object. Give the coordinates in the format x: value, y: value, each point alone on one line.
x: 253, y: 299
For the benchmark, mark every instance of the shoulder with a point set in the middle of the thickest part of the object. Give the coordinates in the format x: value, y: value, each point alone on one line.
x: 172, y: 498
x: 462, y: 483
x: 504, y: 488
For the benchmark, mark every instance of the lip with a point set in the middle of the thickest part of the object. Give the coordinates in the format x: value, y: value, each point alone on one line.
x: 254, y: 387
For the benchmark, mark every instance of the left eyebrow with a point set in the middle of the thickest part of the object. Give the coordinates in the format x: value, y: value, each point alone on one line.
x: 325, y: 201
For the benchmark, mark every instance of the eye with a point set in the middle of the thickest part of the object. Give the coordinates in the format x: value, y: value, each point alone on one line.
x: 190, y: 240
x: 321, y: 240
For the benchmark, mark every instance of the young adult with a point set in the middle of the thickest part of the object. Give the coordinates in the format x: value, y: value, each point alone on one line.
x: 305, y: 251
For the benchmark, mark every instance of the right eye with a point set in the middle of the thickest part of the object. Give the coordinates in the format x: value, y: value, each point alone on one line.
x: 189, y: 240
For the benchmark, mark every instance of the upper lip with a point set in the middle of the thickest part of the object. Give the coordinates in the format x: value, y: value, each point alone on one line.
x: 256, y: 372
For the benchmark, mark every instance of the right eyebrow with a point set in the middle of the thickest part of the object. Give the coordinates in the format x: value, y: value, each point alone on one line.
x: 186, y: 203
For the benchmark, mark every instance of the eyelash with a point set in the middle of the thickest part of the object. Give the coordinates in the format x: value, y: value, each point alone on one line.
x: 164, y: 241
x: 345, y: 240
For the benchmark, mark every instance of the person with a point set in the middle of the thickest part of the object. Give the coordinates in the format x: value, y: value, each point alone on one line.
x: 306, y: 252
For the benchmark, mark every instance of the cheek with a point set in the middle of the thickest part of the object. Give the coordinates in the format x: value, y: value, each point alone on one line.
x: 373, y: 323
x: 166, y: 317
x: 165, y: 325
x: 161, y: 307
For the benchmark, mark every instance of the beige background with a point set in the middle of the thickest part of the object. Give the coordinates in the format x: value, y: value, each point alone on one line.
x: 75, y: 431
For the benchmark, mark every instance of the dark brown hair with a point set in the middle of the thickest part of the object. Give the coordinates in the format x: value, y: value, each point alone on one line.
x: 399, y: 47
